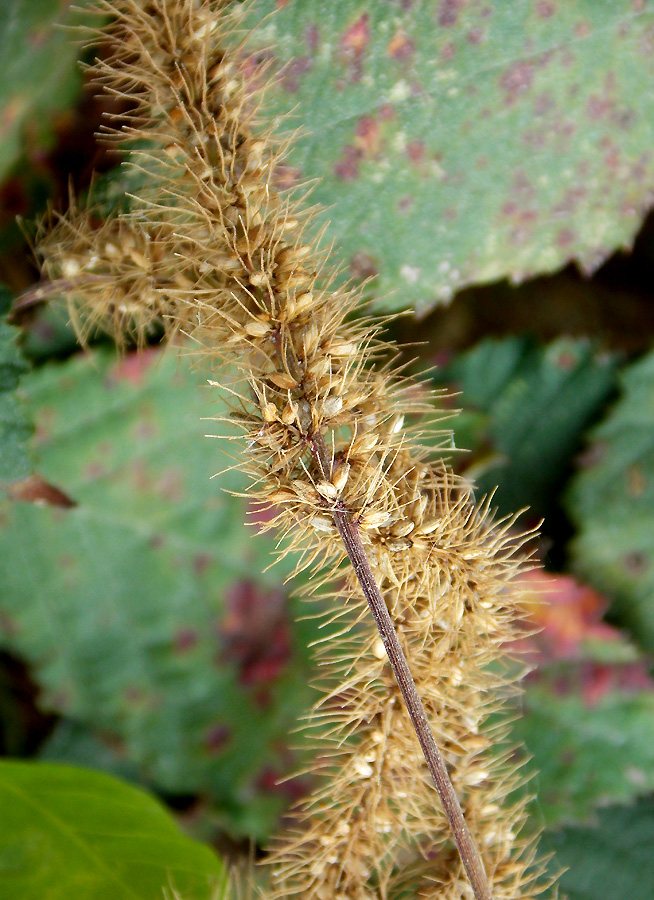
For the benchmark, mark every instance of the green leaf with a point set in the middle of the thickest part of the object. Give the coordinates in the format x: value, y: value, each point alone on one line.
x: 587, y: 754
x: 67, y: 832
x: 141, y: 608
x: 612, y: 503
x: 609, y: 861
x: 524, y: 410
x: 40, y: 73
x: 15, y: 428
x: 457, y: 143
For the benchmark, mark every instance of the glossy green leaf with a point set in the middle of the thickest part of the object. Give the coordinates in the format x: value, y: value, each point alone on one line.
x: 612, y: 503
x: 68, y: 832
x: 141, y: 608
x: 524, y: 411
x: 611, y: 860
x: 15, y: 428
x: 456, y: 143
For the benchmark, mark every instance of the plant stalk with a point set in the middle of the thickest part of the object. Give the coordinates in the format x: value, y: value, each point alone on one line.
x: 356, y: 552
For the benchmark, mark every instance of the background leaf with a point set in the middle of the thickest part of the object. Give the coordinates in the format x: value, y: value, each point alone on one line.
x: 587, y: 754
x: 459, y: 143
x: 40, y: 73
x: 141, y: 608
x: 66, y: 832
x: 587, y: 715
x: 524, y: 411
x: 612, y: 503
x: 15, y: 428
x: 610, y: 860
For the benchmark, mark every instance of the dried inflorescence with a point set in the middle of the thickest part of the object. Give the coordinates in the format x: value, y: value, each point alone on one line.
x: 212, y: 249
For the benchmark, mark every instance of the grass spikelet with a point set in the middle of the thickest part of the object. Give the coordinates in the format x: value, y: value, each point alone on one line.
x: 212, y: 249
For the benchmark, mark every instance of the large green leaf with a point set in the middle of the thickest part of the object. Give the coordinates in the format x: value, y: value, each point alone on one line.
x: 70, y: 833
x: 524, y: 411
x: 142, y: 608
x: 15, y: 427
x: 612, y: 503
x: 40, y: 73
x: 611, y: 860
x: 456, y: 143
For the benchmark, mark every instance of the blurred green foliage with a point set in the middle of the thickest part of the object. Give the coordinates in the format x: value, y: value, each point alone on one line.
x: 612, y: 504
x: 524, y: 408
x: 15, y: 429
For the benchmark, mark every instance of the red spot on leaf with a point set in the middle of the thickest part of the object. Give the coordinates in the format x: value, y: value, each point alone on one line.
x: 347, y: 167
x: 566, y: 360
x: 93, y: 471
x: 216, y: 738
x: 598, y: 680
x: 363, y: 266
x: 260, y: 513
x: 312, y: 37
x: 448, y: 12
x: 400, y: 47
x: 8, y: 625
x: 565, y: 237
x: 286, y: 176
x: 597, y: 106
x: 170, y: 485
x: 545, y: 9
x: 185, y: 639
x: 39, y: 37
x: 516, y: 80
x: 353, y: 46
x: 635, y: 564
x: 448, y: 51
x: 144, y: 431
x: 534, y: 137
x: 415, y: 150
x: 255, y: 632
x: 475, y: 36
x: 368, y: 135
x: 272, y: 782
x: 570, y: 200
x: 293, y: 71
x: 201, y: 562
x: 543, y: 103
x: 522, y: 185
x: 568, y: 613
x: 134, y: 366
x: 135, y: 695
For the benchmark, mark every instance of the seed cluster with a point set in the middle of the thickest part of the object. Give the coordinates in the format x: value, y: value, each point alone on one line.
x: 211, y: 248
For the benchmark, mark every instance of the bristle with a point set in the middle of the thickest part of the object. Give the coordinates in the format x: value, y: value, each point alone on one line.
x: 213, y: 250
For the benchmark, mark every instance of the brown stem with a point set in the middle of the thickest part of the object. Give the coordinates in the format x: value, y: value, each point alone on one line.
x: 44, y: 290
x: 349, y: 532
